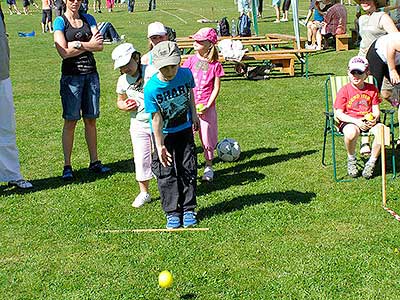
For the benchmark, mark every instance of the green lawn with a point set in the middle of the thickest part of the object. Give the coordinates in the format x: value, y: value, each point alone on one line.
x: 280, y: 227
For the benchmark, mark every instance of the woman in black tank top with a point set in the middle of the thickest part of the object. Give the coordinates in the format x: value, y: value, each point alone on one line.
x: 76, y: 38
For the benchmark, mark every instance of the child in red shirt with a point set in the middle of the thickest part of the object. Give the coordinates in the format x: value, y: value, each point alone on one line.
x: 357, y: 109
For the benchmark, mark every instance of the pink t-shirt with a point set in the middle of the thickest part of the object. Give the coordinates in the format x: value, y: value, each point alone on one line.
x: 204, y: 74
x: 357, y: 102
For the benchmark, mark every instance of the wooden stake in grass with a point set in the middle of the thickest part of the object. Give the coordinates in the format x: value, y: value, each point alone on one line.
x: 383, y: 163
x: 146, y: 230
x: 383, y: 138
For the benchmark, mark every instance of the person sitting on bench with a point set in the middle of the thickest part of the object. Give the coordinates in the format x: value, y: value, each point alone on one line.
x: 334, y: 23
x: 321, y: 6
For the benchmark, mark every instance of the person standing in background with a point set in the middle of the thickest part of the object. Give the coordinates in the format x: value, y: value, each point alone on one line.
x: 9, y: 161
x: 372, y: 25
x: 243, y: 7
x: 131, y: 6
x: 152, y: 4
x: 260, y: 8
x: 97, y: 6
x: 285, y: 10
x: 59, y: 7
x: 47, y: 16
x: 110, y: 5
x: 277, y: 6
x: 13, y: 6
x: 76, y: 37
x: 156, y: 33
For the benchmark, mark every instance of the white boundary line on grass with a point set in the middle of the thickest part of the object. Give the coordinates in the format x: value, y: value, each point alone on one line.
x: 168, y: 13
x: 190, y: 12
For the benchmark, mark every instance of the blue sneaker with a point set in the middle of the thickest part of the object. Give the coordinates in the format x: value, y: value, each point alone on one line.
x: 173, y: 222
x: 189, y: 219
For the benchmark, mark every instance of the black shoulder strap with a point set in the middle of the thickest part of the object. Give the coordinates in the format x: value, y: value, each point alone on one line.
x: 2, y: 17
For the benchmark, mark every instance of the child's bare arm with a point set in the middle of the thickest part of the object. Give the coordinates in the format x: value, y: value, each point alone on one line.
x: 163, y: 154
x: 125, y: 105
x: 215, y: 92
x: 349, y: 119
x: 67, y: 49
x: 392, y: 48
x: 195, y: 118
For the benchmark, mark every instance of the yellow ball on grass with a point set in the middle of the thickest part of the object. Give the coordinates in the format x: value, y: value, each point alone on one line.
x: 165, y: 279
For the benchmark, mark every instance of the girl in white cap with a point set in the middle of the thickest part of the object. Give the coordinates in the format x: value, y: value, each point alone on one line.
x: 156, y: 33
x: 131, y: 99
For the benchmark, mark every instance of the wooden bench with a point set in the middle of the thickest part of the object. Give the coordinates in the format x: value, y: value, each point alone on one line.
x: 342, y: 41
x: 288, y: 37
x: 283, y: 62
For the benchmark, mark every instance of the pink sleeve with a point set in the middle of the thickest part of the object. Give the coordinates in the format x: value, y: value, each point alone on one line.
x: 187, y: 62
x: 219, y: 70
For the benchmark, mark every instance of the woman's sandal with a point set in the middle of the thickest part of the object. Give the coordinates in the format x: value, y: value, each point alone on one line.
x: 365, y: 149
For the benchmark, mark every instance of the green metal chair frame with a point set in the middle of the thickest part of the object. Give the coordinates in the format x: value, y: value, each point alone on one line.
x: 332, y: 86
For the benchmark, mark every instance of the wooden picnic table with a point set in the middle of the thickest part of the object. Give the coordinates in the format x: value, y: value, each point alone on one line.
x: 242, y: 38
x: 287, y: 37
x: 284, y: 59
x: 263, y: 44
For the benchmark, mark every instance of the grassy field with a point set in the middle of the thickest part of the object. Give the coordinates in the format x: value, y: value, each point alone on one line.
x: 280, y: 227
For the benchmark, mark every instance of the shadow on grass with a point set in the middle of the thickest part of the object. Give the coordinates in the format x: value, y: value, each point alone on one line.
x: 238, y: 203
x: 266, y: 161
x: 341, y: 167
x: 241, y: 174
x: 81, y: 176
x: 188, y: 296
x: 243, y: 155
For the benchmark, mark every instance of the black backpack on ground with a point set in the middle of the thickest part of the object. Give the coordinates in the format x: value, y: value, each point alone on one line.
x: 224, y: 27
x: 244, y: 25
x: 171, y: 33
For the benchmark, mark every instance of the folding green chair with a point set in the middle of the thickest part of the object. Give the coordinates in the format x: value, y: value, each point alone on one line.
x: 332, y: 86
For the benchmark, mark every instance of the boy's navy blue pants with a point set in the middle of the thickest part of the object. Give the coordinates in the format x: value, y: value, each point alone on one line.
x: 177, y: 182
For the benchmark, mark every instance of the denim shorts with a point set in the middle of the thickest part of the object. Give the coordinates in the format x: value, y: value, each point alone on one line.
x: 80, y: 94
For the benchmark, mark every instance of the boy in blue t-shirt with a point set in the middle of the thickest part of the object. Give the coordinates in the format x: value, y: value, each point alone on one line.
x: 168, y: 97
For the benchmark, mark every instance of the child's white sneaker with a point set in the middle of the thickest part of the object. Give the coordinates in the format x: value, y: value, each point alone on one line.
x: 141, y: 199
x: 208, y: 174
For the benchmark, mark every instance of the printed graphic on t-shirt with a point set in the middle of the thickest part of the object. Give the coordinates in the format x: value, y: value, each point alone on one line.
x: 360, y: 103
x: 174, y: 105
x: 135, y: 91
x: 201, y: 65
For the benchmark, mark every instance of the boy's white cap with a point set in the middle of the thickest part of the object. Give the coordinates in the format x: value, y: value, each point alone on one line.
x: 358, y: 63
x: 122, y: 54
x: 156, y: 28
x: 166, y: 53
